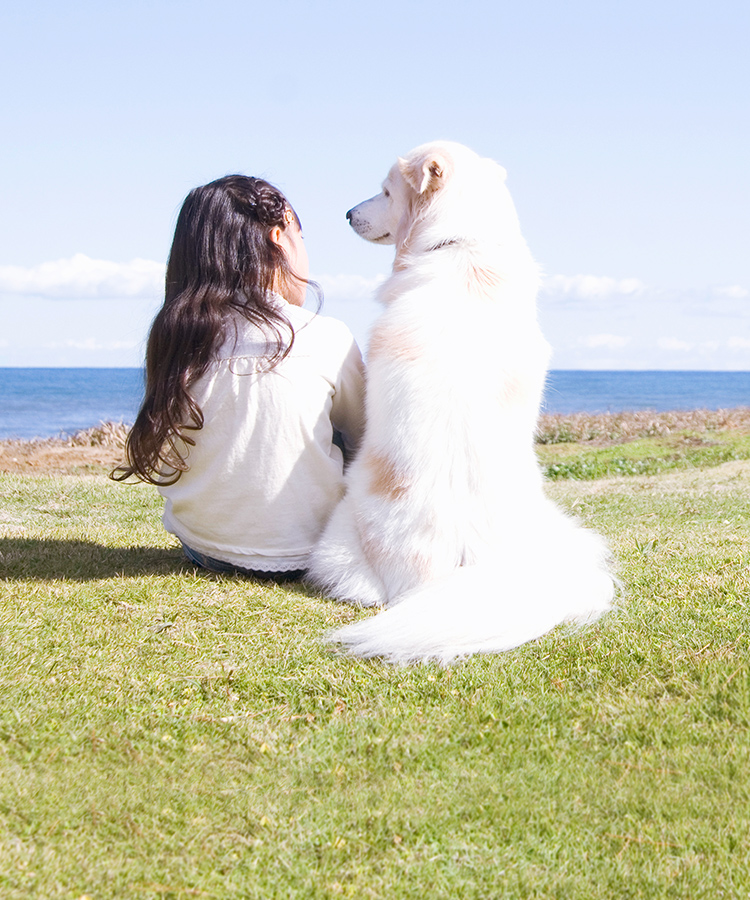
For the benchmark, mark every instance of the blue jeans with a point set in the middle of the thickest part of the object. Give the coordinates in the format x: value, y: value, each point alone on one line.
x: 225, y: 568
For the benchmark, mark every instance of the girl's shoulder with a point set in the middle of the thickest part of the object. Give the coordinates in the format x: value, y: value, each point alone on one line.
x: 317, y: 326
x: 313, y: 334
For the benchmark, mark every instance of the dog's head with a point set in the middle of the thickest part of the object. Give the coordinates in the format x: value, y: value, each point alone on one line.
x: 379, y: 218
x: 438, y: 185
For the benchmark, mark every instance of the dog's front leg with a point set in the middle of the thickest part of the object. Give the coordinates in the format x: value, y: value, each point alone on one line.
x: 339, y: 564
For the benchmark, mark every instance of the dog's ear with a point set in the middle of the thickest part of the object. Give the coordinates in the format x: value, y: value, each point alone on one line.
x: 426, y: 174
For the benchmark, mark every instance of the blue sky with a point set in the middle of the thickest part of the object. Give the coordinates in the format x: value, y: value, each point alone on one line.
x: 624, y: 127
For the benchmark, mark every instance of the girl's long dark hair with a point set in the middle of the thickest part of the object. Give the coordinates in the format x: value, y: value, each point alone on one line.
x: 223, y: 263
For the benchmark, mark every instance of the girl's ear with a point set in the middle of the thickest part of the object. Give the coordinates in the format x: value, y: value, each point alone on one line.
x: 275, y: 234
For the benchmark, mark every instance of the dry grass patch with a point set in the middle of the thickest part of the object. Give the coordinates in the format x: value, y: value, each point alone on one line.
x: 97, y: 449
x: 101, y: 448
x: 604, y: 429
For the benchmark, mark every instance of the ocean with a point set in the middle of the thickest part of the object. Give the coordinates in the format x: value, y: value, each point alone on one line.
x: 40, y: 403
x: 49, y: 402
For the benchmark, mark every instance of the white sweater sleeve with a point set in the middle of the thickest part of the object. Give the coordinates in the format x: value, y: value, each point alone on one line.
x: 348, y: 410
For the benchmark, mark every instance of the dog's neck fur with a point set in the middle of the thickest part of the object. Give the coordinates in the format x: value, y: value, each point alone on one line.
x: 451, y: 242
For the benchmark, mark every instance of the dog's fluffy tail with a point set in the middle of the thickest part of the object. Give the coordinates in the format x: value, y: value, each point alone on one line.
x: 492, y: 607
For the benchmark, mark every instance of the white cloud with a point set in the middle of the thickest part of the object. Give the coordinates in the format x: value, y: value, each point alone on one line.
x: 345, y: 288
x: 627, y: 295
x: 81, y: 277
x: 91, y: 344
x: 610, y: 341
x: 733, y: 291
x: 671, y: 343
x: 703, y: 348
x: 590, y: 287
x: 590, y: 320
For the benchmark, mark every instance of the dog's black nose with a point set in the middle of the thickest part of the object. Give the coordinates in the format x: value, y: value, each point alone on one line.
x: 348, y: 215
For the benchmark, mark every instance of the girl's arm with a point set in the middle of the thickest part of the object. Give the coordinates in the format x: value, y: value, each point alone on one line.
x: 348, y: 410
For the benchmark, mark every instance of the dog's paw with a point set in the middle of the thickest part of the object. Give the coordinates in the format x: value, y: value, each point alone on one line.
x: 352, y: 587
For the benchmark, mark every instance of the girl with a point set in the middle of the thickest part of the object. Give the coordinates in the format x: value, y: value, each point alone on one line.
x: 244, y: 388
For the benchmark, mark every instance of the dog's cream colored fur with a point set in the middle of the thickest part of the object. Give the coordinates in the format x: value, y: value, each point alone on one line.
x: 444, y: 517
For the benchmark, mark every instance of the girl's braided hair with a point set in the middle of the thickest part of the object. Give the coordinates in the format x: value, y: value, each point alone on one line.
x: 223, y: 263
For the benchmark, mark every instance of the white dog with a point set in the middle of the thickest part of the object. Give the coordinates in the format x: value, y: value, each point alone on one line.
x: 444, y: 521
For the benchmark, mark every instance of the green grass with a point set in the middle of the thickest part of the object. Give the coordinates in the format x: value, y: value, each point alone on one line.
x: 644, y: 456
x: 170, y: 734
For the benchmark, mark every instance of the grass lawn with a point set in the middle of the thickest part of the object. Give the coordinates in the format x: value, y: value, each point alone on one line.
x: 171, y: 734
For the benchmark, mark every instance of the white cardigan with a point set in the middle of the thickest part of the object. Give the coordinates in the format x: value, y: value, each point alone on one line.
x: 264, y: 473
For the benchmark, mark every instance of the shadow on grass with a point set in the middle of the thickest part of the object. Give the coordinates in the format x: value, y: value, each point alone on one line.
x: 37, y: 560
x: 28, y: 558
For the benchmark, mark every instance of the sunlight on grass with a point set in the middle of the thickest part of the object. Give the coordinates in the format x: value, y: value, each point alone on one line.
x: 166, y: 733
